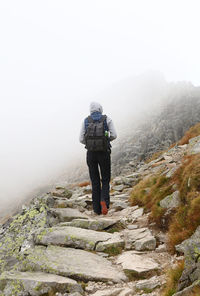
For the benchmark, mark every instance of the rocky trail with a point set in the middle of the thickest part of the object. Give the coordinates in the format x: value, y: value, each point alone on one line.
x: 57, y: 246
x: 116, y: 254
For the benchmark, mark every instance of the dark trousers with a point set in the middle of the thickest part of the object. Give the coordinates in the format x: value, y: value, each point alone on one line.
x: 99, y: 165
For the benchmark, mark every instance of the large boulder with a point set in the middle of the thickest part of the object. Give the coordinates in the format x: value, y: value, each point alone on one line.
x: 74, y: 263
x: 171, y: 201
x: 17, y: 283
x: 78, y: 238
x: 191, y: 250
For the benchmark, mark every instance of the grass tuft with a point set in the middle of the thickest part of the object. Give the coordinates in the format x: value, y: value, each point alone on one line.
x: 194, y: 131
x: 187, y: 216
x: 173, y: 276
x: 149, y: 192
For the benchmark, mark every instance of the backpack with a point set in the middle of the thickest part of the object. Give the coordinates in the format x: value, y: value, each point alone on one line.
x: 95, y: 137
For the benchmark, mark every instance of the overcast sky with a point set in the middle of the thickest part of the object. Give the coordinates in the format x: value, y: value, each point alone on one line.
x: 57, y: 56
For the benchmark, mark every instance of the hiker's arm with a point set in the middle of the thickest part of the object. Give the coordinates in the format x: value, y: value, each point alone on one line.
x: 113, y: 134
x: 82, y: 133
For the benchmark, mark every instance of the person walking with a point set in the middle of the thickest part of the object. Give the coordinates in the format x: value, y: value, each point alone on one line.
x: 96, y: 133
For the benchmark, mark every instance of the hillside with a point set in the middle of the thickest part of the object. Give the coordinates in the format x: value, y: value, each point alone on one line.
x: 55, y: 246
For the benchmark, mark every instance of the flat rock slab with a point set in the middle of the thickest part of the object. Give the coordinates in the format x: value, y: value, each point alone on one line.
x: 68, y: 203
x: 93, y: 224
x: 149, y: 284
x: 68, y: 214
x: 138, y: 266
x: 36, y: 284
x: 77, y: 238
x: 114, y: 292
x: 140, y: 239
x: 73, y: 263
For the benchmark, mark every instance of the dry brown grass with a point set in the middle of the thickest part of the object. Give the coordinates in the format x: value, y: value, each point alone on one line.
x: 194, y: 131
x: 187, y: 216
x: 195, y: 291
x: 173, y: 276
x: 149, y: 192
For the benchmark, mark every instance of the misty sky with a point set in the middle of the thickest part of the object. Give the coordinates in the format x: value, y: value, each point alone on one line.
x: 57, y: 56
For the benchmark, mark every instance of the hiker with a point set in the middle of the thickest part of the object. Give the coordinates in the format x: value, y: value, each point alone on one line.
x: 96, y: 133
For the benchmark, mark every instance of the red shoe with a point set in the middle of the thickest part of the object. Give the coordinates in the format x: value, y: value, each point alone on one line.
x: 104, y: 209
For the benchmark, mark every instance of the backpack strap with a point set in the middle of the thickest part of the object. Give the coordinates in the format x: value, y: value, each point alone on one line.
x: 90, y: 119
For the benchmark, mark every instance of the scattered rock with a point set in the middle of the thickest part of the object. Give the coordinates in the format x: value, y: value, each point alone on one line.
x: 119, y: 205
x: 118, y: 187
x: 62, y: 192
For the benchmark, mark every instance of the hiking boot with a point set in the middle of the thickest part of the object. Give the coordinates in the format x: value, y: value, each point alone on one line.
x: 104, y: 209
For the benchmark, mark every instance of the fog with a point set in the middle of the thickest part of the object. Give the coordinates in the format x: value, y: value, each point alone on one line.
x: 58, y: 56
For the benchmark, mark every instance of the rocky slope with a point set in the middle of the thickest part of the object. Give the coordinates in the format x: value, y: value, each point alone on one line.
x: 56, y: 246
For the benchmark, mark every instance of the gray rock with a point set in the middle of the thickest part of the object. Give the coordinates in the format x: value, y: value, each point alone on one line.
x: 132, y: 227
x: 194, y: 145
x: 119, y: 205
x: 137, y: 214
x: 62, y: 192
x: 140, y: 239
x: 68, y: 214
x: 162, y: 248
x: 114, y: 292
x: 150, y: 284
x: 137, y: 265
x: 122, y: 197
x: 68, y: 203
x: 94, y: 224
x: 171, y: 201
x: 77, y: 264
x: 78, y: 238
x: 116, y: 243
x: 191, y: 250
x: 187, y: 291
x: 118, y: 187
x: 36, y: 283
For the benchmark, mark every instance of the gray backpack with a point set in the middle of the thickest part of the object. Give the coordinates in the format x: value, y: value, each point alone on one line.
x: 95, y: 137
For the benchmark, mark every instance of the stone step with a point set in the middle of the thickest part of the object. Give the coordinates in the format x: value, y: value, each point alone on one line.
x: 93, y: 224
x: 114, y: 292
x: 78, y: 238
x: 137, y: 265
x: 139, y: 239
x: 67, y: 214
x: 73, y: 263
x: 36, y: 283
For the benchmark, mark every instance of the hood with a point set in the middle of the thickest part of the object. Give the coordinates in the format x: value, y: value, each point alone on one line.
x: 95, y: 107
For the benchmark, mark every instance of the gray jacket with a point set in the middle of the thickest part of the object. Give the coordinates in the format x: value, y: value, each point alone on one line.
x: 96, y: 107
